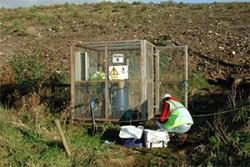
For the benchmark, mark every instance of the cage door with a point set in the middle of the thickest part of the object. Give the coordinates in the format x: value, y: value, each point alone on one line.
x: 171, y: 73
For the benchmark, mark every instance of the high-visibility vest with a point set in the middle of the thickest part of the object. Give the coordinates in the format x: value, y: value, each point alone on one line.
x: 179, y: 115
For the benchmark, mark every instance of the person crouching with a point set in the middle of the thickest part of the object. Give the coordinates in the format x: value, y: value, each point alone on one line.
x: 175, y: 118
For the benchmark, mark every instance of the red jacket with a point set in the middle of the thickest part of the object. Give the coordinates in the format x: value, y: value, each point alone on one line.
x: 166, y: 110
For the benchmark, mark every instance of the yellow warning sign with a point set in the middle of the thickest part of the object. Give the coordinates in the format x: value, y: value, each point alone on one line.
x: 118, y: 72
x: 113, y: 71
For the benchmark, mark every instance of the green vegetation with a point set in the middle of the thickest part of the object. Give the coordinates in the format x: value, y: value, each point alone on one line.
x: 29, y: 71
x: 27, y: 68
x: 39, y: 16
x: 27, y: 133
x: 197, y: 82
x: 236, y: 153
x: 23, y: 145
x: 172, y: 75
x: 230, y: 146
x: 15, y: 27
x: 228, y: 142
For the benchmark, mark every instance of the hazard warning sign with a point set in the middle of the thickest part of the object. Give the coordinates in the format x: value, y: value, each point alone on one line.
x: 118, y: 72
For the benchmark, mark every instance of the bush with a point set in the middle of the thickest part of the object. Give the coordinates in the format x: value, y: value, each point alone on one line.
x: 29, y: 71
x: 197, y: 82
x: 223, y: 154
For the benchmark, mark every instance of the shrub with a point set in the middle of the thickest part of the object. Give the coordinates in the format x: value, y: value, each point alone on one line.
x: 228, y: 146
x: 197, y: 82
x: 224, y: 154
x: 28, y: 70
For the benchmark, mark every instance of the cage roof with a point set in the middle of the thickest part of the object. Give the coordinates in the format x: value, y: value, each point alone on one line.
x: 112, y: 45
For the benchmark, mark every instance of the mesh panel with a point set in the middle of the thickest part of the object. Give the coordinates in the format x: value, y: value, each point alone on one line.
x: 150, y: 79
x: 114, y: 98
x: 125, y: 95
x: 84, y: 93
x: 172, y: 72
x: 89, y: 83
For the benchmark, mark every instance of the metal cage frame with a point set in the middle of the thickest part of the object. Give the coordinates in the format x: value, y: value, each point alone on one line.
x: 141, y: 45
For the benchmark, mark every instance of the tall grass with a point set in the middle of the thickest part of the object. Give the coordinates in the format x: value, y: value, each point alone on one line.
x: 22, y: 145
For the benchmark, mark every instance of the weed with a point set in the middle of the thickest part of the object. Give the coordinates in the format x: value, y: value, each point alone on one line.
x: 66, y: 5
x: 42, y: 17
x: 145, y: 8
x: 241, y: 117
x: 123, y: 5
x: 25, y: 147
x: 15, y: 28
x: 158, y: 158
x: 28, y: 70
x: 59, y: 77
x: 199, y: 7
x: 81, y: 139
x: 228, y: 147
x: 167, y: 3
x: 222, y: 154
x: 73, y: 13
x: 33, y: 9
x: 197, y: 82
x: 101, y: 7
x: 9, y: 17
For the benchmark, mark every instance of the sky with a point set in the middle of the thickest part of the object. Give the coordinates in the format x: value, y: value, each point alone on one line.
x: 29, y: 3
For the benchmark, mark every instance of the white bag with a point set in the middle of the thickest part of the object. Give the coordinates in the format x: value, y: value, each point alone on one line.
x: 131, y: 131
x: 159, y: 138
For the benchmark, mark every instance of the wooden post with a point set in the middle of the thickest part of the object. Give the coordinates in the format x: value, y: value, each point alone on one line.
x: 66, y: 146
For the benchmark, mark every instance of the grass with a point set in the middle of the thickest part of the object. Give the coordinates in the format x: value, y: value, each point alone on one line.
x: 39, y: 16
x: 23, y: 147
x: 223, y: 154
x: 15, y: 27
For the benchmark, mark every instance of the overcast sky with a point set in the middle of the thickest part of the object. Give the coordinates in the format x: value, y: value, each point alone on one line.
x: 28, y: 3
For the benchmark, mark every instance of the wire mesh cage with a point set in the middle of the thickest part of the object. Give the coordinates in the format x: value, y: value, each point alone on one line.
x: 121, y: 77
x: 173, y: 72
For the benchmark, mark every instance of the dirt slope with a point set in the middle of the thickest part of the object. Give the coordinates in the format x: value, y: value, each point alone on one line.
x: 217, y: 34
